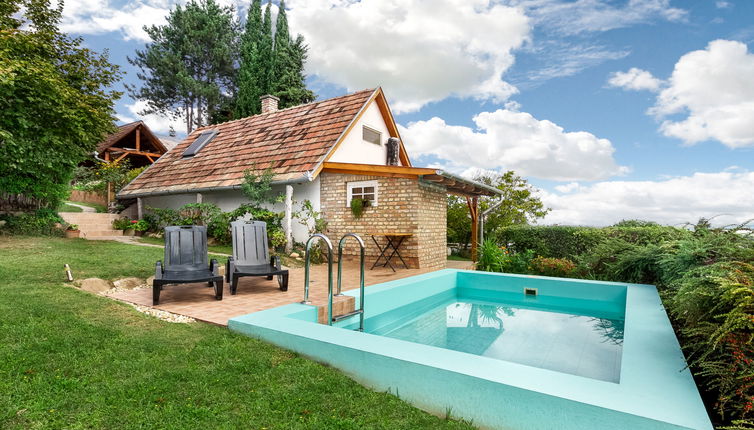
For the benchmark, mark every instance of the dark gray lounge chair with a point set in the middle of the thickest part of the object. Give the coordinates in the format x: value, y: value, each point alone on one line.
x: 251, y: 256
x: 186, y: 261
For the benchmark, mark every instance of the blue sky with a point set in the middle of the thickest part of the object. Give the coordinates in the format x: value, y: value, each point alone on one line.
x: 613, y: 109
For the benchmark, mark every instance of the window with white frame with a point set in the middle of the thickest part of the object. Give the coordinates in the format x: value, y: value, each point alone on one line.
x: 365, y: 190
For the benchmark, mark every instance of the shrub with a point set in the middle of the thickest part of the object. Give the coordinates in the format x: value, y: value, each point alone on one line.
x: 122, y: 223
x: 490, y: 257
x: 43, y: 222
x: 558, y: 267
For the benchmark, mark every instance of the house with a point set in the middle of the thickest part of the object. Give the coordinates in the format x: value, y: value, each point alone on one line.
x: 327, y: 152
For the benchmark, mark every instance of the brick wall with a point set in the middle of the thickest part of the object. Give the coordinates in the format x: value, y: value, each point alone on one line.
x: 404, y: 206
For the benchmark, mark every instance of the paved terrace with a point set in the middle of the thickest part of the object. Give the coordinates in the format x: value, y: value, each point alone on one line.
x: 257, y: 293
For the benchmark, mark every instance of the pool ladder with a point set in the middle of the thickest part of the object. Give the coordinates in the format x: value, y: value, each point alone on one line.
x: 330, y: 318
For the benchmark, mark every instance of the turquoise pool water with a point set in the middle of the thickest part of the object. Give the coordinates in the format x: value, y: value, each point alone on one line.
x: 578, y: 344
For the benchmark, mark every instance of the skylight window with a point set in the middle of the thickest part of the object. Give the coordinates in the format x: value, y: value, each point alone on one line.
x: 200, y: 142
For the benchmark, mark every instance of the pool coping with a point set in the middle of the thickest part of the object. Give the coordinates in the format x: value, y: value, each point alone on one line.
x: 661, y: 390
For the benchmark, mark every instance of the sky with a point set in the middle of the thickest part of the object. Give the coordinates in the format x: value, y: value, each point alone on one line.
x: 612, y: 109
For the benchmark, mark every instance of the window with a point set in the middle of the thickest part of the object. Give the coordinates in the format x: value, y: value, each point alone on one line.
x: 371, y: 135
x: 200, y: 142
x: 366, y: 190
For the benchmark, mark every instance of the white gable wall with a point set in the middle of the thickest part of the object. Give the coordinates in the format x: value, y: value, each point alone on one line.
x: 354, y: 149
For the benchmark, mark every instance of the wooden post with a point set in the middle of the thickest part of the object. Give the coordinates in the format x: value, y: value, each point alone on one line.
x: 138, y: 138
x: 473, y: 203
x: 109, y: 185
x: 287, y: 219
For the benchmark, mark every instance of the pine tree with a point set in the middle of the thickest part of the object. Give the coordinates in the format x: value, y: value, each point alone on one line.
x: 188, y: 69
x: 247, y: 102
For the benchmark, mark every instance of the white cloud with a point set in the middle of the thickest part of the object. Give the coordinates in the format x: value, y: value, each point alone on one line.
x: 671, y: 201
x: 103, y: 16
x: 507, y: 139
x: 582, y: 16
x: 157, y: 123
x: 420, y: 51
x: 635, y: 79
x: 720, y: 4
x: 714, y: 87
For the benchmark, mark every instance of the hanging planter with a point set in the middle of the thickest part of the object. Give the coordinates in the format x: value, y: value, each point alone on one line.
x: 358, y: 206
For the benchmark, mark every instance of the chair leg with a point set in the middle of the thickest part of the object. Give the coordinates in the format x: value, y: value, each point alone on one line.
x: 269, y: 278
x: 233, y: 284
x: 156, y: 293
x: 218, y: 290
x: 283, y: 282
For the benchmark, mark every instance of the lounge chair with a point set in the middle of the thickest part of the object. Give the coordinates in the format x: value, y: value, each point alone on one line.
x: 186, y: 261
x: 251, y: 256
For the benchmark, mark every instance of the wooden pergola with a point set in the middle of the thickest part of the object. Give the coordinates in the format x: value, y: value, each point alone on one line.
x: 133, y: 141
x: 455, y: 185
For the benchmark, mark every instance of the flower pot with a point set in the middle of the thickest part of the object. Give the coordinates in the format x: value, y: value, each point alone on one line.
x: 129, y: 232
x: 71, y: 234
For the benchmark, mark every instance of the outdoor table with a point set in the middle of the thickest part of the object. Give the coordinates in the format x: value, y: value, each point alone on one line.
x: 394, y: 241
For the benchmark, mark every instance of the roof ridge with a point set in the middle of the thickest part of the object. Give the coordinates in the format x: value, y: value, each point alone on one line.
x: 288, y: 108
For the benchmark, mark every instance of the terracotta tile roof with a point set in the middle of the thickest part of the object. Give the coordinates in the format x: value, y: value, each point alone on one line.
x: 110, y: 140
x: 290, y: 141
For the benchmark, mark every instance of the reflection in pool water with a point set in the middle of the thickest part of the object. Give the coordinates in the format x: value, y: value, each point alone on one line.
x: 581, y: 345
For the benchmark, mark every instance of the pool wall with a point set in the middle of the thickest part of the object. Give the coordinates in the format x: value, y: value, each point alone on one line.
x: 655, y: 389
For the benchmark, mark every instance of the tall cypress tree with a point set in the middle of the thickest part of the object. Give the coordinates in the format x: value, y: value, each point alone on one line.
x: 270, y: 64
x: 289, y: 81
x: 247, y: 102
x: 266, y: 53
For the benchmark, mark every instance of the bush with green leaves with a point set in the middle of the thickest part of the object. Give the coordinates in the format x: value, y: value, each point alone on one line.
x: 43, y: 222
x: 705, y: 277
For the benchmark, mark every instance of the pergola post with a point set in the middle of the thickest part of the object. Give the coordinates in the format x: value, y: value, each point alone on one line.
x: 473, y: 203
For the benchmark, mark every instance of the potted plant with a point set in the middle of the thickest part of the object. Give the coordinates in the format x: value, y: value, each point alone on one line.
x: 125, y: 225
x: 140, y: 226
x: 357, y: 207
x: 72, y: 231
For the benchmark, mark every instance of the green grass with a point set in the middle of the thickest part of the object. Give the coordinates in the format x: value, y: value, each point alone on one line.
x: 65, y: 207
x: 220, y: 249
x: 98, y: 207
x: 69, y: 359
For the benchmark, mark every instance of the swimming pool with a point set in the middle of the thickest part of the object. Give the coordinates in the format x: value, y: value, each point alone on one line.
x: 507, y: 351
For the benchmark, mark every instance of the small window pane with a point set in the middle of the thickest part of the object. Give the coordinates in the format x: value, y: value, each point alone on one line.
x: 369, y: 190
x: 369, y: 197
x: 357, y: 190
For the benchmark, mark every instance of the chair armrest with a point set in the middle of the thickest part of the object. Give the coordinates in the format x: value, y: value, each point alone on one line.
x: 214, y: 267
x: 275, y: 262
x: 158, y: 271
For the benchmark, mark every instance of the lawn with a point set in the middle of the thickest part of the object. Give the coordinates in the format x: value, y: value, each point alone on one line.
x: 69, y: 359
x: 65, y: 207
x: 220, y: 249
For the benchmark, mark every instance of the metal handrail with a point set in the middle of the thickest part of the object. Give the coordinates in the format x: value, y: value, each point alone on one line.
x: 306, y: 266
x: 340, y: 273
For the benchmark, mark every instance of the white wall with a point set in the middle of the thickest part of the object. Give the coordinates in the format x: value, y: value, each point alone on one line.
x: 231, y: 199
x: 354, y: 149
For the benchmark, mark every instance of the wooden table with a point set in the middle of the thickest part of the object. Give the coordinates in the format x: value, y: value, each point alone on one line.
x: 394, y: 241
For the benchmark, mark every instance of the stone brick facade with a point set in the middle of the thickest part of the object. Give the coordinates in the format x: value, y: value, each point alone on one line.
x: 404, y: 206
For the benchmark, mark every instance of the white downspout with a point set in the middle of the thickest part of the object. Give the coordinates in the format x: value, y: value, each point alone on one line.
x: 287, y: 219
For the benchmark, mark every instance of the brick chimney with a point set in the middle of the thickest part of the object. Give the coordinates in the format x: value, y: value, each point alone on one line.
x: 269, y: 103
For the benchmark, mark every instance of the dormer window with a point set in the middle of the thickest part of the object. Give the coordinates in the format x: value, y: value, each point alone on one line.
x: 371, y: 135
x: 200, y: 142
